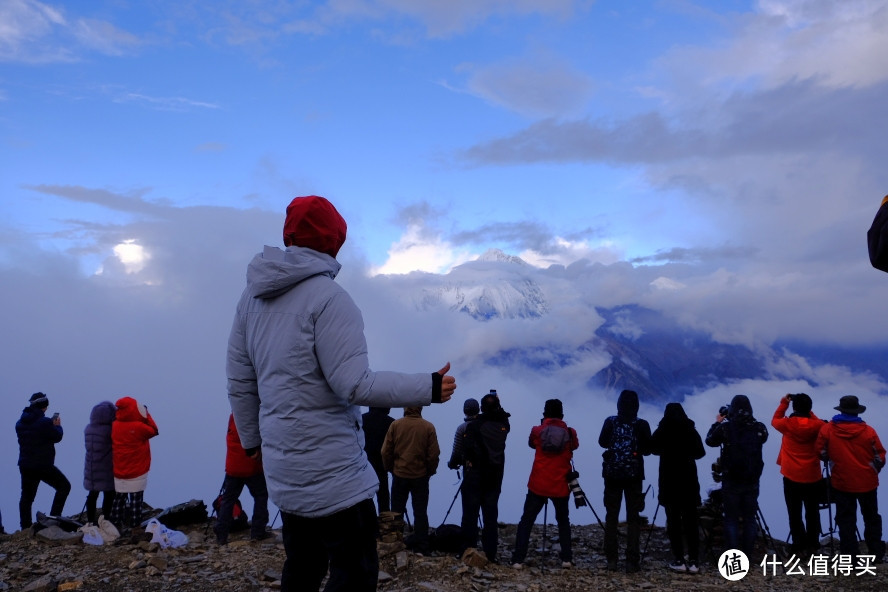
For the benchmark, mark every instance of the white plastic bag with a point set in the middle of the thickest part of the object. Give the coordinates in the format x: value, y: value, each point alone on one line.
x: 108, y: 531
x: 91, y: 535
x: 164, y: 536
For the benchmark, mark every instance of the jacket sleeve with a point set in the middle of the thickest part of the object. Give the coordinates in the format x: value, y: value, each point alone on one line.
x: 779, y: 421
x: 716, y: 435
x: 243, y: 388
x: 657, y: 442
x: 456, y: 456
x: 574, y: 440
x: 606, y: 435
x: 698, y: 450
x: 643, y: 433
x: 342, y: 355
x: 878, y: 452
x: 821, y: 445
x: 434, y: 453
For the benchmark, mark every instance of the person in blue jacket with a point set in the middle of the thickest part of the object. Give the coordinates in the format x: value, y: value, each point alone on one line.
x: 37, y: 437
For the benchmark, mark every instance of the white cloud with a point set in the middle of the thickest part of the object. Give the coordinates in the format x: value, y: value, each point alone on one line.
x: 420, y: 250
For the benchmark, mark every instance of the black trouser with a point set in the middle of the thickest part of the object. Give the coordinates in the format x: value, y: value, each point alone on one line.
x: 31, y: 479
x: 232, y: 487
x: 107, y: 504
x: 418, y: 491
x: 480, y: 493
x: 614, y: 491
x: 681, y: 525
x: 533, y: 503
x: 846, y: 520
x: 740, y: 503
x: 805, y: 534
x: 344, y: 541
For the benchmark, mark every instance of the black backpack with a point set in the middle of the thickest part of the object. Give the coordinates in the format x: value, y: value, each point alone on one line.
x: 621, y: 459
x: 486, y: 442
x: 741, y: 457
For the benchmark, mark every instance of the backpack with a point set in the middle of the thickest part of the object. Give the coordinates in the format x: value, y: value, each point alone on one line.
x: 741, y: 457
x: 621, y: 458
x: 447, y: 538
x: 554, y: 438
x: 239, y: 520
x: 190, y: 512
x: 486, y: 442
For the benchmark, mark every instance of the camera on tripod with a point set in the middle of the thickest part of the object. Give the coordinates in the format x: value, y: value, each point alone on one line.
x: 717, y: 471
x: 577, y: 491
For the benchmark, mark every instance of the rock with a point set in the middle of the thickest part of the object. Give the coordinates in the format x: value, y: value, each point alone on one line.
x: 270, y: 575
x: 56, y: 536
x: 159, y: 562
x: 401, y: 560
x: 384, y: 577
x: 42, y: 584
x: 137, y: 564
x: 474, y: 558
x: 71, y: 585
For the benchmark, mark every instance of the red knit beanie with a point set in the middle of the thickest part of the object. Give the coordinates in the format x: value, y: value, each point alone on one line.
x: 314, y: 223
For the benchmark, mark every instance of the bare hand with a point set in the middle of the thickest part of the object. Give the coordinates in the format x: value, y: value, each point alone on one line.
x: 448, y: 383
x: 719, y: 418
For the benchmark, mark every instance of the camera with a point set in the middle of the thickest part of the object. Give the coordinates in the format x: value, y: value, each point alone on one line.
x: 577, y: 491
x: 789, y: 397
x: 724, y: 410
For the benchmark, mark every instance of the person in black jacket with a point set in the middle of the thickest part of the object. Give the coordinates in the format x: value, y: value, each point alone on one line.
x: 485, y: 459
x: 679, y: 446
x: 37, y: 437
x: 376, y: 422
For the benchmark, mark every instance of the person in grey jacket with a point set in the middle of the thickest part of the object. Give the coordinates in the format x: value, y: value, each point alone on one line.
x: 298, y: 374
x: 98, y: 467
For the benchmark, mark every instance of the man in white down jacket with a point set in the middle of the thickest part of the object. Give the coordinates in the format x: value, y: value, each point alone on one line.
x: 298, y: 375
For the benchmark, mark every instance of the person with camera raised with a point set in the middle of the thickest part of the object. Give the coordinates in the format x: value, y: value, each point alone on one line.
x: 554, y: 444
x: 800, y: 466
x: 856, y: 456
x: 741, y: 437
x: 679, y: 446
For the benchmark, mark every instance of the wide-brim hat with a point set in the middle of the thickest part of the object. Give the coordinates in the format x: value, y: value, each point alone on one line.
x: 850, y: 405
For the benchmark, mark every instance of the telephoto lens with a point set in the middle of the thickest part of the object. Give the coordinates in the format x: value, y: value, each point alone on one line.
x: 577, y: 491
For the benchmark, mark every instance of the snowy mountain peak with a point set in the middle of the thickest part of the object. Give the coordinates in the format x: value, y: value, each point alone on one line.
x: 500, y: 256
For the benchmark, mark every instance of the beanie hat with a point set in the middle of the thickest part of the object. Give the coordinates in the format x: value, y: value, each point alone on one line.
x: 314, y: 223
x: 553, y: 409
x: 39, y: 400
x: 471, y: 407
x: 801, y: 403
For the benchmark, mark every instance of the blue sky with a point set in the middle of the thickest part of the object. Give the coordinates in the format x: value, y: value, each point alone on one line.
x: 719, y: 162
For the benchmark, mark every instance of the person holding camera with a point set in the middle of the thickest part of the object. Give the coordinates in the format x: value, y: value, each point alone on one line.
x: 856, y: 456
x: 37, y: 437
x: 131, y: 429
x: 627, y: 440
x: 679, y: 446
x: 554, y: 444
x: 800, y: 466
x: 741, y: 438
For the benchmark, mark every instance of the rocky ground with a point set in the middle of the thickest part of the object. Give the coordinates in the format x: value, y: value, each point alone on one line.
x: 30, y: 564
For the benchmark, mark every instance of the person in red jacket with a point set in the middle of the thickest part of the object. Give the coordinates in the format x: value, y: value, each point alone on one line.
x: 133, y: 426
x: 240, y: 470
x: 554, y: 444
x: 800, y: 466
x: 855, y: 456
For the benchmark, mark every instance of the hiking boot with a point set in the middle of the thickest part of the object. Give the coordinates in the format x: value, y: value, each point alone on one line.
x: 678, y: 565
x: 693, y: 567
x: 260, y: 536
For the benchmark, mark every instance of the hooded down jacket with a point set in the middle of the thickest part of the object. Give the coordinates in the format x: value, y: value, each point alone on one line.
x: 132, y: 428
x: 98, y: 468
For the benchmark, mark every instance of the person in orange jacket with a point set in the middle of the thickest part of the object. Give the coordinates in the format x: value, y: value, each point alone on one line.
x: 242, y: 470
x: 800, y: 466
x: 133, y: 426
x: 855, y: 456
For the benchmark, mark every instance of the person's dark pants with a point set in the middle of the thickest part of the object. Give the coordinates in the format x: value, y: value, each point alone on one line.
x: 740, y: 502
x: 533, y: 503
x: 418, y: 490
x: 805, y: 534
x: 681, y: 526
x: 31, y: 479
x: 846, y: 520
x: 345, y: 542
x: 382, y: 495
x: 107, y: 505
x: 480, y: 493
x: 126, y: 511
x: 232, y: 487
x: 614, y: 491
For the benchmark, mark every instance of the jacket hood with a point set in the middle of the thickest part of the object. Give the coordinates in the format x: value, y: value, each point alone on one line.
x: 740, y: 408
x: 31, y: 414
x: 275, y: 271
x: 103, y: 413
x: 675, y: 414
x: 128, y: 409
x: 846, y: 429
x: 313, y: 222
x: 627, y: 405
x: 412, y: 411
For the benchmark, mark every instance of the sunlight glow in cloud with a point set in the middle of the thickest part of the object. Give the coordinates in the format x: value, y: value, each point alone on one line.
x: 132, y: 256
x: 417, y: 250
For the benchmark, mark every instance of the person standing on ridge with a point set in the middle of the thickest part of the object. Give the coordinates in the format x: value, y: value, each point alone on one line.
x: 133, y: 426
x: 37, y: 437
x: 410, y: 453
x: 241, y: 471
x: 471, y: 409
x: 800, y: 466
x: 626, y: 440
x: 298, y: 374
x: 376, y: 422
x: 98, y: 466
x: 554, y: 444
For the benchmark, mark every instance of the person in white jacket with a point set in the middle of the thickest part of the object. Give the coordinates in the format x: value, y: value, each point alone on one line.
x: 298, y: 374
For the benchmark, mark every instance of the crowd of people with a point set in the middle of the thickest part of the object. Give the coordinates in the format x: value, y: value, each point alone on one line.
x: 298, y: 376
